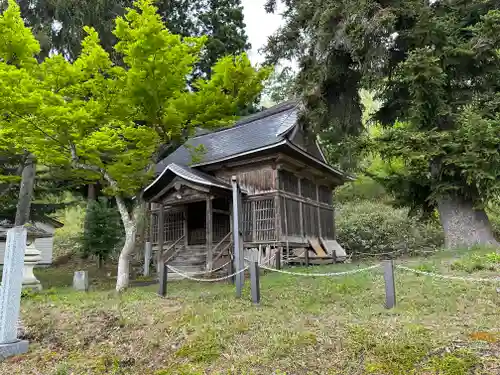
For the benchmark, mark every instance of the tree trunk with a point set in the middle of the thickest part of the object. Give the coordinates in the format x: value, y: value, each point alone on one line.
x: 100, y: 262
x: 25, y: 192
x: 23, y: 208
x: 464, y: 225
x: 130, y: 225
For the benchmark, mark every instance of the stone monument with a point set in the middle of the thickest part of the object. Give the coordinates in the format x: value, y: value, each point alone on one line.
x: 81, y: 281
x: 10, y: 293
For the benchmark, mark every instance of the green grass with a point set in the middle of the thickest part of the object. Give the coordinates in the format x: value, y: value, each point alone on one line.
x: 302, y: 326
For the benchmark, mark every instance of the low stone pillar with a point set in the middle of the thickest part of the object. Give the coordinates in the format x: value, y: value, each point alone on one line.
x: 81, y: 281
x: 10, y: 294
x: 148, y: 251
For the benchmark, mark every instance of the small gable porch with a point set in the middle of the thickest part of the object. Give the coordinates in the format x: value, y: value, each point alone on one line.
x: 194, y: 211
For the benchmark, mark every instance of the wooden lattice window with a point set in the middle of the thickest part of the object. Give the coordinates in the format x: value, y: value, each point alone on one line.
x: 265, y: 222
x: 310, y: 217
x: 327, y: 223
x: 308, y: 189
x: 290, y: 218
x: 325, y: 194
x: 154, y: 227
x: 247, y: 221
x: 173, y: 225
x: 221, y: 226
x: 289, y: 182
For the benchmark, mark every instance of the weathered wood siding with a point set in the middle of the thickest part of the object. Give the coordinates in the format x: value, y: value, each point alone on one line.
x: 305, y: 206
x: 255, y: 179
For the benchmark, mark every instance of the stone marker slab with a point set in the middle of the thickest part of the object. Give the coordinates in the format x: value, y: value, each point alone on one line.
x: 13, y: 349
x: 10, y: 292
x: 81, y: 281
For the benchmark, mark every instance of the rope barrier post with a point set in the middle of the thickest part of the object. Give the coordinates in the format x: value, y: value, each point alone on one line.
x: 390, y: 288
x: 278, y: 258
x: 238, y: 250
x: 254, y: 282
x: 163, y: 280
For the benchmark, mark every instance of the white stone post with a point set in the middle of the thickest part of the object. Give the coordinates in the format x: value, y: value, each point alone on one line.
x: 10, y: 293
x: 31, y: 258
x: 148, y: 250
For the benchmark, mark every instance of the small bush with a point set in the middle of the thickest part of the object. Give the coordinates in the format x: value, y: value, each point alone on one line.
x: 373, y: 227
x: 471, y: 263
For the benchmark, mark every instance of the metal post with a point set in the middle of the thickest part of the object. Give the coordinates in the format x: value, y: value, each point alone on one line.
x: 238, y: 259
x: 163, y: 280
x: 148, y: 249
x: 278, y: 258
x: 390, y: 288
x: 254, y: 282
x: 306, y: 254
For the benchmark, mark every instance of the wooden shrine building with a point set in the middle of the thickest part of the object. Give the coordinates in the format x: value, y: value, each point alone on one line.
x: 286, y: 187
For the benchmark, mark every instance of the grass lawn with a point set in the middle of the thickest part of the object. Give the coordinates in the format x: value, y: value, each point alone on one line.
x: 303, y: 326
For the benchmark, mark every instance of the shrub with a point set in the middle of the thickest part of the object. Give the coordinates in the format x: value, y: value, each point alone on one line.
x: 373, y: 227
x: 475, y: 262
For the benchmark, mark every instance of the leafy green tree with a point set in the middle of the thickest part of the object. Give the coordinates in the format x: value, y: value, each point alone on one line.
x: 103, y: 230
x: 58, y: 25
x: 435, y: 68
x: 109, y: 121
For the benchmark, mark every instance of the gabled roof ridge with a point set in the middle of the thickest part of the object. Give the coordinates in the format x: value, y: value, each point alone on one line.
x: 285, y: 106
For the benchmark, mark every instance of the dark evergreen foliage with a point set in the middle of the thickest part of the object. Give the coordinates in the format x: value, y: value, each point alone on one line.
x: 434, y: 65
x: 103, y: 230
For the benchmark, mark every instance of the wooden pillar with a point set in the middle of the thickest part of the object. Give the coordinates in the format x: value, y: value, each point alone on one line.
x: 277, y: 205
x: 318, y: 209
x: 186, y: 227
x: 209, y: 232
x: 161, y: 237
x: 151, y: 224
x: 277, y: 218
x: 301, y: 210
x: 237, y: 235
x: 253, y: 209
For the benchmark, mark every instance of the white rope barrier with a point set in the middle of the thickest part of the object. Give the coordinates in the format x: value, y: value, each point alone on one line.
x: 211, y: 271
x: 446, y: 277
x: 330, y: 274
x: 175, y: 270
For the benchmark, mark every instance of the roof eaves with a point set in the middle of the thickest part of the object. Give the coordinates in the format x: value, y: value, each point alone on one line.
x: 179, y: 172
x: 334, y: 170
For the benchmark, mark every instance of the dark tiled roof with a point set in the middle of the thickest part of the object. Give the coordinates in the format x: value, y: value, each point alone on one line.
x: 189, y: 174
x: 197, y: 176
x: 263, y: 129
